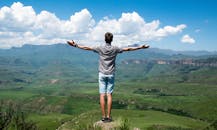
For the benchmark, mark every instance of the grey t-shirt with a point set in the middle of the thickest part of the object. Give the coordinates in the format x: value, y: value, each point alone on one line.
x: 107, y: 55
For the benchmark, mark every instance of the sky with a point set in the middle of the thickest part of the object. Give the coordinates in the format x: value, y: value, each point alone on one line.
x: 166, y: 24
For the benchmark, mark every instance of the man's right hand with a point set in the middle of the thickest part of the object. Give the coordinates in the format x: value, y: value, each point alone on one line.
x: 145, y: 46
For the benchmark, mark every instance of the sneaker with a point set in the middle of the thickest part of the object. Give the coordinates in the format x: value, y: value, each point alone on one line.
x: 103, y: 119
x: 108, y: 119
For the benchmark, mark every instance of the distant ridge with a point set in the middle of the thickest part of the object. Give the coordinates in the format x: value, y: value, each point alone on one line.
x: 190, y: 53
x: 28, y: 47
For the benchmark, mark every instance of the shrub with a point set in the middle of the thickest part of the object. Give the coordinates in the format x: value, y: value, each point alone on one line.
x: 13, y: 117
x: 124, y: 124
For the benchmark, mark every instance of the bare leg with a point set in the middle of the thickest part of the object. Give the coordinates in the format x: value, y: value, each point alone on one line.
x: 109, y: 105
x: 102, y: 104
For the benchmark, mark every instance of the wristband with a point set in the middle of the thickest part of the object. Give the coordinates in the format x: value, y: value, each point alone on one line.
x: 75, y: 45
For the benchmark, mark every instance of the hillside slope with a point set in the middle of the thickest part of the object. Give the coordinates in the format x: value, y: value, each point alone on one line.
x: 136, y: 119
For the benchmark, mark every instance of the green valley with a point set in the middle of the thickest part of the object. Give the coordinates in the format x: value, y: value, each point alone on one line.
x: 50, y: 87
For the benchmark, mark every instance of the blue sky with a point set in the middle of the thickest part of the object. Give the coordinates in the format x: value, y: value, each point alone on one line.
x: 172, y: 24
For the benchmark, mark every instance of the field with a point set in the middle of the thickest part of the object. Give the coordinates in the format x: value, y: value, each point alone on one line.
x: 60, y: 92
x: 142, y: 119
x: 169, y: 107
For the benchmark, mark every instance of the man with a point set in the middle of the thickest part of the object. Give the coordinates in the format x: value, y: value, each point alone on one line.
x: 107, y: 55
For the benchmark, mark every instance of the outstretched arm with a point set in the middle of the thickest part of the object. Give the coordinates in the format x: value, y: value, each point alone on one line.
x: 135, y: 48
x: 72, y: 43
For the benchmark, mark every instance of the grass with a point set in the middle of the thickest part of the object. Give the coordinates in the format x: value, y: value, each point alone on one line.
x: 15, y: 95
x: 196, y: 99
x: 139, y: 119
x: 76, y: 92
x: 78, y: 105
x: 145, y: 119
x: 49, y: 121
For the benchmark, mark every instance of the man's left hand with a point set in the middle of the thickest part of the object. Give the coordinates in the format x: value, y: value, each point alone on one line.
x: 72, y: 43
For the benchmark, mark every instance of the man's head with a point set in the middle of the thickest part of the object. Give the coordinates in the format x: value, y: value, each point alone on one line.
x: 108, y: 37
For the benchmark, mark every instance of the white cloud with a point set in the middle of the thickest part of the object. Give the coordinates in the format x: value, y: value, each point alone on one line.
x: 17, y: 18
x: 131, y: 28
x: 187, y: 39
x: 21, y: 25
x: 169, y: 30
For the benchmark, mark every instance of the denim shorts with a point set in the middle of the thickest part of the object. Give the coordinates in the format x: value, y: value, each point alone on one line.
x: 106, y: 83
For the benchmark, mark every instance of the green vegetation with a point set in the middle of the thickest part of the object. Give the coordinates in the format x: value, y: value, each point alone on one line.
x: 13, y: 117
x: 54, y: 88
x: 129, y: 119
x: 49, y: 121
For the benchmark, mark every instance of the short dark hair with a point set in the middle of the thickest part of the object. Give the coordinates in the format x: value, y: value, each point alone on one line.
x: 108, y: 37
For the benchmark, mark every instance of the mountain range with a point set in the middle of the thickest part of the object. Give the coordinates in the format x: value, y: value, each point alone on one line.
x: 64, y: 50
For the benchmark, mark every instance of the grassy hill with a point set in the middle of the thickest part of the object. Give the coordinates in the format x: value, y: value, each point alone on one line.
x: 136, y: 119
x: 55, y: 84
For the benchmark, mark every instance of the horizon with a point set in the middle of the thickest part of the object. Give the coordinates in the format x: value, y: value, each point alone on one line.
x: 149, y: 48
x: 180, y: 26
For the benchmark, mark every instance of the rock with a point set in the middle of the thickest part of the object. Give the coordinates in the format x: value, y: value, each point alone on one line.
x: 107, y: 126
